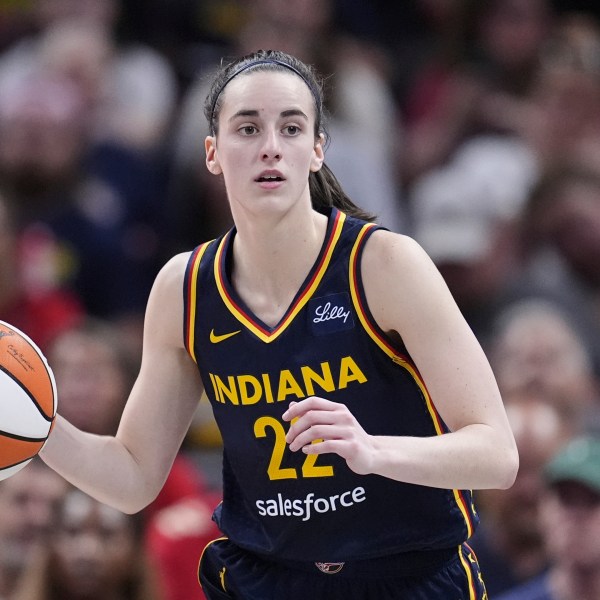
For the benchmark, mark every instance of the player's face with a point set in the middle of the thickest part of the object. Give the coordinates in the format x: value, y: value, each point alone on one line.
x: 266, y: 143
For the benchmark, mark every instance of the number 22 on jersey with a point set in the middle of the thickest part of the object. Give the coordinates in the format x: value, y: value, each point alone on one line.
x: 276, y: 470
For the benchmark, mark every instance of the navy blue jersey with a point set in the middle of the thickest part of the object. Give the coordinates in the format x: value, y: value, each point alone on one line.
x: 288, y: 504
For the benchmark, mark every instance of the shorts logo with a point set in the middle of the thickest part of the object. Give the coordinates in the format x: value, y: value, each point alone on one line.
x: 330, y: 568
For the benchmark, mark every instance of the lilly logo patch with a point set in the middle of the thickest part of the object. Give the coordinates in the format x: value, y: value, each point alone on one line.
x: 329, y: 314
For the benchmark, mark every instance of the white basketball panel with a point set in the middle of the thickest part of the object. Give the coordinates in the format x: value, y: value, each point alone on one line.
x: 18, y: 413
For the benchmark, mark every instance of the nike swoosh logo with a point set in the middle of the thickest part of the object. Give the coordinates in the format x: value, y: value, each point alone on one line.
x: 215, y: 339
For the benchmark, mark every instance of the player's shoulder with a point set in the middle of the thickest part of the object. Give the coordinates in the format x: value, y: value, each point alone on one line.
x: 393, y: 250
x: 164, y: 312
x: 175, y: 266
x: 174, y: 270
x: 172, y: 273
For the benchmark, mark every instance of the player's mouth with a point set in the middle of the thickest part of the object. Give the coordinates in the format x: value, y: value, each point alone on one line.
x: 270, y: 178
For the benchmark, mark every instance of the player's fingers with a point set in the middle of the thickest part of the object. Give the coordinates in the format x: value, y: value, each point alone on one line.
x: 317, y: 432
x: 309, y: 420
x: 322, y: 446
x: 297, y: 409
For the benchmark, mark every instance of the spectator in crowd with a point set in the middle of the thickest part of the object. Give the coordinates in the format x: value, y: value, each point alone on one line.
x: 30, y: 297
x: 509, y: 542
x: 483, y: 90
x: 94, y: 369
x: 559, y: 118
x: 131, y: 94
x: 29, y: 502
x: 570, y: 522
x: 98, y: 206
x: 562, y: 229
x: 131, y: 87
x: 467, y: 217
x: 95, y: 552
x: 538, y: 349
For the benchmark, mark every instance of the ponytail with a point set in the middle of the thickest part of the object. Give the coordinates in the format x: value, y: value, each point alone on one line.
x: 326, y: 192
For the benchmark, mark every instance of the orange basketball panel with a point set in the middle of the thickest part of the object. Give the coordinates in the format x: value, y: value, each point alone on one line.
x: 14, y: 451
x: 27, y: 365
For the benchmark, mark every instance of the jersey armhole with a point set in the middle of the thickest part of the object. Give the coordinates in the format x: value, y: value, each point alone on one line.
x: 393, y: 349
x: 190, y: 298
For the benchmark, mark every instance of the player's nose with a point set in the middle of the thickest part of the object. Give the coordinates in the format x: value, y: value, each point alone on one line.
x: 271, y: 148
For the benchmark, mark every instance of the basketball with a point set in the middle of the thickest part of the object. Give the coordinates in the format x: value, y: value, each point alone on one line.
x: 27, y: 400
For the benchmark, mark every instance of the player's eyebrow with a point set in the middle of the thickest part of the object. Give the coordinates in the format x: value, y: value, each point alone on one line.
x: 292, y: 112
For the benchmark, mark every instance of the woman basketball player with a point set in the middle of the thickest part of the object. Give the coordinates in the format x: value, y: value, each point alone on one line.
x: 356, y: 407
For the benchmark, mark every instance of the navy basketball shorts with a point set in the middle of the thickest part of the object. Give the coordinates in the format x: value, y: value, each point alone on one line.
x: 227, y: 571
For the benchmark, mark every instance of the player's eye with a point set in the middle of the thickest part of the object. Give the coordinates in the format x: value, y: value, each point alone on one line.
x: 248, y: 130
x: 292, y: 129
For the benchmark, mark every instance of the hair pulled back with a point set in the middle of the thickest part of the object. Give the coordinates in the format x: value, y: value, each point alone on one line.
x: 325, y: 189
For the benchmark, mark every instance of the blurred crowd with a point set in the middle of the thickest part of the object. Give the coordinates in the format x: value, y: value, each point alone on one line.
x: 471, y: 125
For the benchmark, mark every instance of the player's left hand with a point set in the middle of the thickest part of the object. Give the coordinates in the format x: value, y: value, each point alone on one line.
x: 319, y: 426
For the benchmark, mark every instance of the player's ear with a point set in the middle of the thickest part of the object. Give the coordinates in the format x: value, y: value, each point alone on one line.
x: 212, y: 159
x: 318, y: 154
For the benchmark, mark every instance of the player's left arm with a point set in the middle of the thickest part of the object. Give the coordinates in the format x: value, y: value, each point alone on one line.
x: 408, y: 296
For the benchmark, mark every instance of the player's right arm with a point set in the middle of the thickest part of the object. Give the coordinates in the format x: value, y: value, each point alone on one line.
x: 127, y: 471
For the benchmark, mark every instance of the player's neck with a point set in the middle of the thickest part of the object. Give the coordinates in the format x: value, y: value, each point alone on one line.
x: 279, y: 246
x: 270, y: 266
